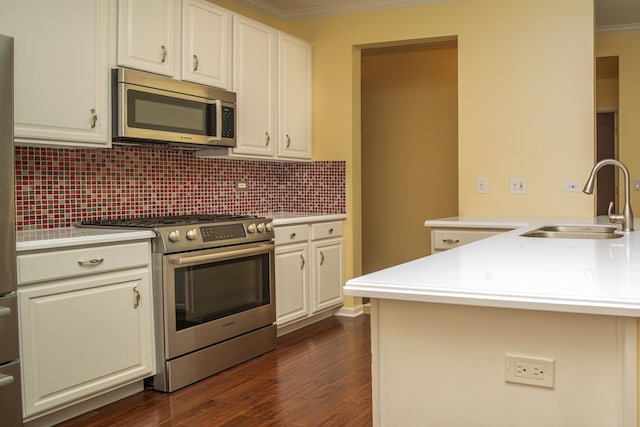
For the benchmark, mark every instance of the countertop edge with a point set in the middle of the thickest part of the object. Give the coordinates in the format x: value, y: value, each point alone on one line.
x: 522, y: 302
x: 290, y: 218
x: 94, y: 237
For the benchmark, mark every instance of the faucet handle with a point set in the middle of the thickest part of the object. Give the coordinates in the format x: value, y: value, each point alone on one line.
x: 614, y: 218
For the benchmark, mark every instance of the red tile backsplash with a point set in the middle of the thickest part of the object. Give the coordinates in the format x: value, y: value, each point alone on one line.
x: 56, y: 187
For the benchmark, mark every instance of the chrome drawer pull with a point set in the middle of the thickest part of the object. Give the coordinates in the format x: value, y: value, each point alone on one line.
x: 5, y: 380
x: 331, y: 231
x: 292, y: 235
x: 91, y: 263
x: 136, y: 297
x: 451, y: 241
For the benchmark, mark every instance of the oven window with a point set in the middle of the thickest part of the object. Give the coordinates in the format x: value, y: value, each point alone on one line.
x: 157, y: 112
x: 211, y: 291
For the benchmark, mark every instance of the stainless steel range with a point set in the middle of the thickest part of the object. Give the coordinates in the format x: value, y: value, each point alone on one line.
x: 214, y: 296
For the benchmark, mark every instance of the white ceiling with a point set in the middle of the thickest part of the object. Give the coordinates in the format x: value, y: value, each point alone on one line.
x: 611, y: 15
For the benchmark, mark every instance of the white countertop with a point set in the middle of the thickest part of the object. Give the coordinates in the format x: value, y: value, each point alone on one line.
x: 288, y: 218
x: 71, y: 236
x: 511, y: 271
x: 32, y: 240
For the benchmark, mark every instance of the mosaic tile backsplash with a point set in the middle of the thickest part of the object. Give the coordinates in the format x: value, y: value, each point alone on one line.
x: 56, y: 187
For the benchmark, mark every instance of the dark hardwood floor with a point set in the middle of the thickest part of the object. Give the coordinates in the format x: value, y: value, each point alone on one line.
x: 317, y: 376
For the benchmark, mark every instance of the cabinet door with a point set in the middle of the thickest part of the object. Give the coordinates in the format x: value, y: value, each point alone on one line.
x: 327, y: 273
x: 83, y: 336
x: 206, y: 44
x: 254, y: 82
x: 147, y: 35
x: 62, y: 58
x: 292, y: 284
x: 294, y: 97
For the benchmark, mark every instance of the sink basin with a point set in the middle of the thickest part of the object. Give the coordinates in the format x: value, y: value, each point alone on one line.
x: 575, y: 232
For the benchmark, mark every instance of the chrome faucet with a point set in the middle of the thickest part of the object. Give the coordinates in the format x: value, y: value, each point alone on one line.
x: 626, y: 218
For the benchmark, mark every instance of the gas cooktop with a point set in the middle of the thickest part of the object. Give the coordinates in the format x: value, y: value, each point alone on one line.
x: 163, y: 221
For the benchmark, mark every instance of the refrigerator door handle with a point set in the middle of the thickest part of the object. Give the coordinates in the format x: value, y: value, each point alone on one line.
x: 5, y: 380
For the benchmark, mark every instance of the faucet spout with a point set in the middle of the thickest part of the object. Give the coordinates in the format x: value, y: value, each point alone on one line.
x: 626, y: 218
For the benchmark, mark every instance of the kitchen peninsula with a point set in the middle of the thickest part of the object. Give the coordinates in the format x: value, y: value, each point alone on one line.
x: 446, y: 329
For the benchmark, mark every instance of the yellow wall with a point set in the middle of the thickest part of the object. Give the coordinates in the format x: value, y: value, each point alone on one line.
x: 526, y: 98
x: 409, y: 149
x: 626, y: 46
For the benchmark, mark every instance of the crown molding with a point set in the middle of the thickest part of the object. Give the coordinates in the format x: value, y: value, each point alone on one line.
x: 337, y: 9
x: 623, y: 28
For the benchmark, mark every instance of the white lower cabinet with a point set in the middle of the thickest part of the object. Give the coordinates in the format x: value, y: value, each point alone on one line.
x: 309, y: 265
x: 443, y: 238
x: 88, y: 332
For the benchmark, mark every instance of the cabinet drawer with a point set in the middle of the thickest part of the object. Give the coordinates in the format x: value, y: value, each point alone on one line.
x: 447, y: 239
x: 79, y: 262
x: 291, y: 234
x: 324, y: 230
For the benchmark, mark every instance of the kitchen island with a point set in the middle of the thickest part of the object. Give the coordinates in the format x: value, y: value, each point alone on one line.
x: 446, y: 329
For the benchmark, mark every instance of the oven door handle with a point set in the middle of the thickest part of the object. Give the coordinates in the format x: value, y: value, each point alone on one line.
x: 199, y: 259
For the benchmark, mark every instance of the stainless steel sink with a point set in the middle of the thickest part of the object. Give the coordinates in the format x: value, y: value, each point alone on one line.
x: 575, y: 232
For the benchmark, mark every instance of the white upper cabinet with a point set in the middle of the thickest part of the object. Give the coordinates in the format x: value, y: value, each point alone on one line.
x: 294, y: 97
x: 63, y: 52
x: 254, y: 78
x: 188, y: 39
x: 272, y: 78
x: 206, y: 44
x: 148, y: 35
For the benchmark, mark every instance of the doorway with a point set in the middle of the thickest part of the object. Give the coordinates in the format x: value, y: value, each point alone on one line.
x: 606, y: 132
x: 409, y: 148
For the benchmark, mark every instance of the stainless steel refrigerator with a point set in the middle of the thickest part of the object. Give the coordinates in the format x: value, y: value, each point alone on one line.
x: 10, y: 389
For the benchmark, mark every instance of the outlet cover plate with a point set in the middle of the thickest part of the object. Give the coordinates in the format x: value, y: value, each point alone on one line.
x: 530, y: 370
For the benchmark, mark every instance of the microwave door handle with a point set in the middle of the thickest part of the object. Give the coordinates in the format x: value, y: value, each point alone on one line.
x: 216, y: 103
x: 199, y: 259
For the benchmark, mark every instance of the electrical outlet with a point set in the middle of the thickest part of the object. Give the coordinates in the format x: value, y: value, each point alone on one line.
x: 573, y: 186
x: 519, y: 185
x: 482, y: 185
x: 241, y: 185
x: 636, y: 185
x: 536, y: 371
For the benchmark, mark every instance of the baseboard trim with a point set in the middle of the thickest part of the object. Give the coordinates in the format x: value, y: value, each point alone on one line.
x: 356, y: 311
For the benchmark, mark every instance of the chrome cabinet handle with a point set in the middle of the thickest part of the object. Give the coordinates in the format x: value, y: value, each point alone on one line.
x: 5, y: 311
x: 136, y: 297
x: 451, y: 241
x: 5, y: 380
x: 196, y: 62
x: 90, y: 262
x: 163, y: 54
x: 93, y: 118
x: 331, y: 231
x: 321, y: 257
x: 288, y: 141
x: 302, y: 261
x: 268, y: 139
x: 292, y: 235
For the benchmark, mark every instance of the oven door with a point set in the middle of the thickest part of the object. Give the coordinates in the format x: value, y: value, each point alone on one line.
x: 216, y: 294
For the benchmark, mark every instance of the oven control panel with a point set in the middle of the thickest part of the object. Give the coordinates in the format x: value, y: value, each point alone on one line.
x: 222, y: 232
x: 191, y: 237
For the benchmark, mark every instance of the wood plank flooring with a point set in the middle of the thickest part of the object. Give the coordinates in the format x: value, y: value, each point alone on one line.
x: 317, y: 376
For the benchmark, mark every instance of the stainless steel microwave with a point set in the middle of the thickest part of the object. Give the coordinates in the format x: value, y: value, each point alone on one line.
x: 152, y: 108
